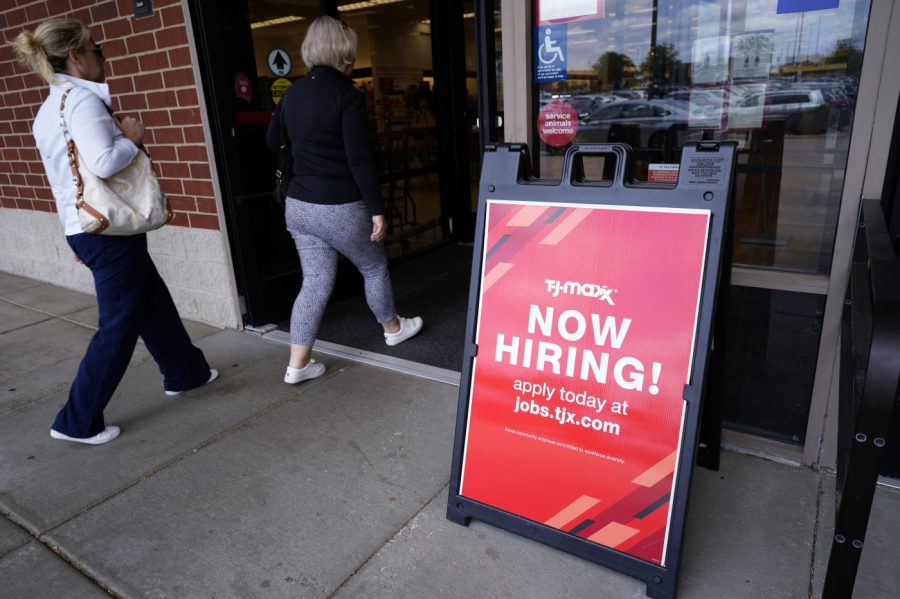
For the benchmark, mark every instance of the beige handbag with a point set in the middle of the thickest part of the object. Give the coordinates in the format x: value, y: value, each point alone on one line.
x: 126, y: 203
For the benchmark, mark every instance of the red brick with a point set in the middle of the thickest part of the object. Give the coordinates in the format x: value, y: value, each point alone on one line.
x: 173, y: 15
x: 207, y: 205
x: 154, y: 62
x: 104, y: 12
x: 24, y: 204
x: 76, y: 4
x: 155, y: 118
x: 21, y: 126
x: 116, y: 29
x: 192, y: 154
x: 179, y: 77
x: 24, y: 113
x: 5, y: 128
x: 123, y: 67
x: 194, y: 135
x: 43, y: 206
x: 163, y: 152
x: 37, y: 12
x: 181, y: 203
x: 168, y: 135
x: 33, y: 96
x: 5, y: 201
x: 174, y: 170
x: 180, y: 220
x: 204, y: 221
x: 171, y: 186
x: 80, y: 14
x: 200, y: 170
x: 15, y: 18
x: 114, y: 48
x: 144, y: 42
x: 148, y: 82
x: 185, y: 116
x: 179, y: 57
x: 16, y: 178
x: 162, y: 99
x: 58, y: 7
x: 157, y: 4
x: 149, y: 23
x: 44, y: 193
x: 120, y: 85
x: 29, y: 154
x: 129, y: 102
x: 198, y: 188
x: 187, y: 97
x: 171, y: 36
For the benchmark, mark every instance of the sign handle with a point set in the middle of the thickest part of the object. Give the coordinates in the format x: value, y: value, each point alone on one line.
x: 573, y: 165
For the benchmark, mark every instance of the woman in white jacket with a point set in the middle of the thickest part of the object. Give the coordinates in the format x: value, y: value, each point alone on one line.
x: 132, y: 298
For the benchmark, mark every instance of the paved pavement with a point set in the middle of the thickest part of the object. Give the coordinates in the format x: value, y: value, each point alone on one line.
x: 334, y: 488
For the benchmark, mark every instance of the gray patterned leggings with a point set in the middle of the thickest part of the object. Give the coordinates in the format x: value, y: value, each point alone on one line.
x: 320, y: 232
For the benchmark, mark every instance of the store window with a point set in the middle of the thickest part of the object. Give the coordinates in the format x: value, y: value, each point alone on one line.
x: 779, y: 80
x: 779, y: 77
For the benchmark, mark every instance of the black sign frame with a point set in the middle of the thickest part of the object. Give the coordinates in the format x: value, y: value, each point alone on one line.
x: 706, y: 179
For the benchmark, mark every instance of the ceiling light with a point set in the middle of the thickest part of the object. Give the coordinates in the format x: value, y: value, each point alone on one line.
x: 366, y: 4
x: 278, y: 21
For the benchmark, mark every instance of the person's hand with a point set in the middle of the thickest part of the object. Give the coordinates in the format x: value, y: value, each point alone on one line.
x: 132, y: 129
x: 378, y: 227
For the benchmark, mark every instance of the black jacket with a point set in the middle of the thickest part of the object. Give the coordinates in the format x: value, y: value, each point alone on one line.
x: 328, y: 131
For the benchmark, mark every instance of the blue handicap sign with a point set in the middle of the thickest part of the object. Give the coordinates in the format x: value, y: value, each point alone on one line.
x: 550, y: 50
x: 789, y: 6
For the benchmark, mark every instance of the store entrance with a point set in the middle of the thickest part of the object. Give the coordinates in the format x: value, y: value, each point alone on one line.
x: 419, y: 81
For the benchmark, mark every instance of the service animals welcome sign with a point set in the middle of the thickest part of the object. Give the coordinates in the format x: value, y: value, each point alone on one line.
x: 585, y: 332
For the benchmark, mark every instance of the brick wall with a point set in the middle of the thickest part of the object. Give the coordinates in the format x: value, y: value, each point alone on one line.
x: 148, y: 68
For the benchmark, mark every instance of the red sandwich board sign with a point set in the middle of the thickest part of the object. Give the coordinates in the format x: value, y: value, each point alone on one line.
x: 590, y: 321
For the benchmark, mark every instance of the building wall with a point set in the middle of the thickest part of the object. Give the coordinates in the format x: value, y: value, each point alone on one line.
x: 151, y: 74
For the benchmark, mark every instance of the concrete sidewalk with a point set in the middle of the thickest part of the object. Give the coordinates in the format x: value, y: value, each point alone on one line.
x: 334, y: 488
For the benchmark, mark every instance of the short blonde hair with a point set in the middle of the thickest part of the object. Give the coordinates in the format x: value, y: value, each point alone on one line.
x: 329, y: 42
x: 45, y: 51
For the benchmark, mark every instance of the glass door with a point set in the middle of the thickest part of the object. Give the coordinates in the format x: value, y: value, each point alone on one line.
x: 420, y: 90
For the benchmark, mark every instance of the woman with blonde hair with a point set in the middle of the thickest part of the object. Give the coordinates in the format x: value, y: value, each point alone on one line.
x: 333, y: 205
x: 132, y: 299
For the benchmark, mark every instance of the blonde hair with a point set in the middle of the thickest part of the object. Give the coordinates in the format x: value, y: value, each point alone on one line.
x: 329, y: 42
x: 45, y: 51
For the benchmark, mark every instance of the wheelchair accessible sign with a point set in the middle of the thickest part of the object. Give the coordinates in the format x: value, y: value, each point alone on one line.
x: 550, y: 50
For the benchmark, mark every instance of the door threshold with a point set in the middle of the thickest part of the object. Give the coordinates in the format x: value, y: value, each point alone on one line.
x: 424, y: 371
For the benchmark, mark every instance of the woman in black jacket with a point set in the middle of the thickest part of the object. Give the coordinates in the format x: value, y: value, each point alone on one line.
x: 333, y: 204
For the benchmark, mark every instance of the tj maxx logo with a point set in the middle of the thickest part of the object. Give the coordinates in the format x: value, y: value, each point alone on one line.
x: 603, y: 293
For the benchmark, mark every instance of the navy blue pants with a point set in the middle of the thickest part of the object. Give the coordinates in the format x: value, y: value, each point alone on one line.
x: 133, y: 301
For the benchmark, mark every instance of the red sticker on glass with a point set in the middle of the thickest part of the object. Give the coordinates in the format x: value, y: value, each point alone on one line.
x: 557, y: 123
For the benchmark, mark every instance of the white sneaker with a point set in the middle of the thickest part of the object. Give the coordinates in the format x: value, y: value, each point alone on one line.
x: 104, y: 436
x: 298, y: 375
x: 409, y: 327
x: 213, y: 375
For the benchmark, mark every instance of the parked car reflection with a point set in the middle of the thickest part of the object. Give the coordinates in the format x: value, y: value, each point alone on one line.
x: 641, y: 123
x: 802, y: 110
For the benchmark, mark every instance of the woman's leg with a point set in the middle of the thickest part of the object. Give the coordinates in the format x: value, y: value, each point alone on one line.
x: 182, y: 364
x: 369, y: 257
x: 319, y: 264
x: 119, y: 272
